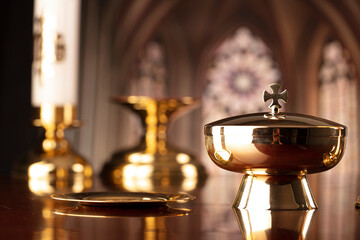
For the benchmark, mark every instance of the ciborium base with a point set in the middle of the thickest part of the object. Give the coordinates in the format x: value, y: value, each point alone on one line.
x: 274, y: 192
x: 264, y: 224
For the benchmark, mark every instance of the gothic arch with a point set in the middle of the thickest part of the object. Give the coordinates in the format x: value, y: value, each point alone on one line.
x: 345, y: 30
x: 308, y: 61
x: 256, y: 26
x: 133, y: 32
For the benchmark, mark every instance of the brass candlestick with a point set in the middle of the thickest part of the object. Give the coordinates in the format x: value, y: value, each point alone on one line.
x: 154, y: 163
x: 55, y: 166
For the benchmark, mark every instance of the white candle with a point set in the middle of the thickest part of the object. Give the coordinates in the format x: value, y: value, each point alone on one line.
x: 55, y: 80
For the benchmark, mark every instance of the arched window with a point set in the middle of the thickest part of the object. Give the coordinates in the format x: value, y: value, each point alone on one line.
x: 150, y: 71
x: 338, y: 96
x: 338, y: 102
x: 241, y: 68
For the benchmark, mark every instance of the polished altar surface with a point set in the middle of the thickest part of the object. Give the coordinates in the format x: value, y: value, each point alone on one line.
x: 25, y: 215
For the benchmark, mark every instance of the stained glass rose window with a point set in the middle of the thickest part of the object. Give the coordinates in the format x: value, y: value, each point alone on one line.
x: 241, y: 68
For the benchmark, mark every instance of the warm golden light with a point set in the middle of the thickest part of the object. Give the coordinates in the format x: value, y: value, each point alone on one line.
x: 189, y: 184
x: 260, y: 221
x: 78, y: 168
x: 140, y: 158
x: 47, y: 114
x: 334, y: 155
x: 308, y: 191
x: 48, y: 145
x: 134, y: 184
x: 129, y: 171
x: 40, y: 187
x: 261, y: 224
x: 307, y: 222
x: 259, y: 195
x: 68, y: 114
x: 222, y: 155
x: 137, y: 171
x: 151, y: 126
x: 79, y: 184
x: 182, y: 158
x: 189, y: 171
x: 40, y: 170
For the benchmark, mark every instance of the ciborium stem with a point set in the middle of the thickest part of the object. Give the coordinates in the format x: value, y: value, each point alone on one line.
x: 275, y: 192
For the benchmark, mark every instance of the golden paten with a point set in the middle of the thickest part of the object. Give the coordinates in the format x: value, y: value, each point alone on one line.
x: 124, y: 199
x: 275, y: 151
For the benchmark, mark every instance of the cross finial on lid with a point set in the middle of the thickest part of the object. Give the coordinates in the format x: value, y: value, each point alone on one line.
x: 275, y: 97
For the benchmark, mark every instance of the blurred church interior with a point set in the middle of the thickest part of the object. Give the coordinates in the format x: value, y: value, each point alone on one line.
x: 224, y: 53
x: 220, y: 53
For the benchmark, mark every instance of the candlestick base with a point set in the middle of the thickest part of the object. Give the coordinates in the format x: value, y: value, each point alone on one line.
x: 54, y: 166
x: 46, y: 174
x: 154, y: 164
x: 140, y: 171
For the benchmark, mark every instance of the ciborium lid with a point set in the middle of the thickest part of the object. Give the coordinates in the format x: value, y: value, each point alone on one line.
x: 263, y: 124
x: 275, y: 141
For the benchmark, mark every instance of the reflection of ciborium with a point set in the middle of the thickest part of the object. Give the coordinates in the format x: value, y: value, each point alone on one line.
x: 266, y: 224
x: 154, y: 162
x: 275, y: 151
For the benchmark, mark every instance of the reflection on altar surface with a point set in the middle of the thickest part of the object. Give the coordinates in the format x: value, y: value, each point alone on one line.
x: 209, y: 216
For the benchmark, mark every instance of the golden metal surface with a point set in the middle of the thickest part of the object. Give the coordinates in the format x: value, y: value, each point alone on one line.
x: 96, y: 212
x: 55, y: 165
x: 154, y: 164
x: 151, y: 220
x: 263, y: 224
x: 275, y: 150
x: 275, y: 192
x: 276, y: 153
x: 357, y: 204
x: 124, y: 199
x: 275, y: 97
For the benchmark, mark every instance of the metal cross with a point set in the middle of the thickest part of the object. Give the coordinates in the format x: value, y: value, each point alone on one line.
x: 275, y: 96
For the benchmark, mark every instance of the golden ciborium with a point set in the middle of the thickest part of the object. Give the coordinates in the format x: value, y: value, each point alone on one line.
x: 154, y: 163
x: 275, y: 151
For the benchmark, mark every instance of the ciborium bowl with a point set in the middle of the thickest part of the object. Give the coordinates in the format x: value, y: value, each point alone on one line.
x: 275, y: 151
